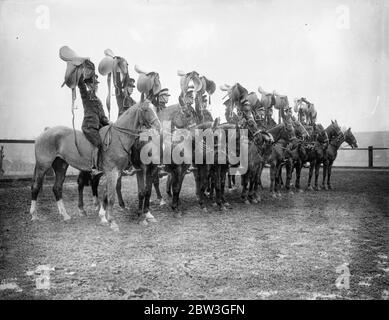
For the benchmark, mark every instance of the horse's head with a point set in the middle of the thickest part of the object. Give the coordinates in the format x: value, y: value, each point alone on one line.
x: 350, y: 138
x: 147, y: 116
x: 333, y: 130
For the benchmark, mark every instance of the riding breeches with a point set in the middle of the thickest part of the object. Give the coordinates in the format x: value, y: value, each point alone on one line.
x: 93, y: 136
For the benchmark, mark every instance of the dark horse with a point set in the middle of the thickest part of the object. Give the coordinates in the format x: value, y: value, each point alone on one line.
x: 56, y: 148
x: 331, y: 153
x: 316, y: 155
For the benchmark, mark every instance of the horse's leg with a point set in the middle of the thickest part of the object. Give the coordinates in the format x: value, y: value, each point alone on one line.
x: 81, y: 182
x: 119, y: 191
x: 169, y: 185
x: 317, y: 169
x: 217, y: 184
x: 312, y: 164
x: 223, y: 176
x: 156, y: 187
x: 112, y: 178
x: 329, y: 174
x: 178, y: 175
x: 95, y: 186
x: 60, y: 166
x: 37, y: 181
x: 289, y: 172
x: 140, y: 175
x: 151, y: 171
x: 245, y: 181
x: 229, y: 181
x: 298, y: 166
x: 273, y: 172
x: 203, y: 182
x: 325, y: 168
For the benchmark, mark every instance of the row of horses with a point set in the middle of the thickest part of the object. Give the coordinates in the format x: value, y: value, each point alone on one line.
x: 289, y: 144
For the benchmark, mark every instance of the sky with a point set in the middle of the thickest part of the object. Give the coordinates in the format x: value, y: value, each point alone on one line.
x: 335, y: 53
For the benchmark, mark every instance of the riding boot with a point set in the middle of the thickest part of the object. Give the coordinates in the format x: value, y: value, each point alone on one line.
x: 95, y: 160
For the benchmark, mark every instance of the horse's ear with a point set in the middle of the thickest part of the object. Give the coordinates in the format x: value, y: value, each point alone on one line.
x: 332, y: 121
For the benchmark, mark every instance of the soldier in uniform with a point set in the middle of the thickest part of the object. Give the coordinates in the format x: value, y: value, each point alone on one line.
x: 94, y: 117
x: 123, y: 93
x: 161, y: 99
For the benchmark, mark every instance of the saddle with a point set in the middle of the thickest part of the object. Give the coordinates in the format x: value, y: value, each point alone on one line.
x: 75, y: 67
x: 147, y: 81
x: 111, y: 65
x: 193, y: 77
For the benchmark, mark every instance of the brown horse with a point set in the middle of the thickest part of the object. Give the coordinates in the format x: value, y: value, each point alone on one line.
x: 56, y: 148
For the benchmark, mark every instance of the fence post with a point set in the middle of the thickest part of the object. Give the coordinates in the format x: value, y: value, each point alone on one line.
x: 370, y: 148
x: 1, y: 160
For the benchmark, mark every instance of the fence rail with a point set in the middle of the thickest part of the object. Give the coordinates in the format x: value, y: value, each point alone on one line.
x: 370, y: 150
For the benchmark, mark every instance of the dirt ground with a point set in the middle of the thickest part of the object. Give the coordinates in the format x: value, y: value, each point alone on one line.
x: 289, y: 248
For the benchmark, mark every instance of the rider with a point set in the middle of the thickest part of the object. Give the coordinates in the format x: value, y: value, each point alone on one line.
x: 124, y: 101
x: 161, y: 99
x: 123, y: 93
x: 94, y: 117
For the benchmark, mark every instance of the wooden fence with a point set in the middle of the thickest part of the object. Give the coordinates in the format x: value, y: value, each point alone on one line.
x: 370, y: 150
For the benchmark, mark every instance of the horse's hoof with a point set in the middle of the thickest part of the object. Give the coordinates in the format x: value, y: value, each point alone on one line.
x: 81, y: 212
x: 150, y: 217
x: 34, y: 217
x: 317, y: 188
x: 66, y: 217
x: 246, y: 202
x: 300, y: 190
x: 274, y: 196
x: 310, y: 188
x: 223, y: 208
x: 227, y: 204
x: 324, y: 187
x: 114, y: 226
x: 205, y: 210
x: 291, y: 192
x: 162, y: 202
x: 143, y: 222
x: 214, y: 204
x: 279, y: 195
x: 254, y: 201
x: 104, y: 221
x: 177, y: 214
x: 329, y: 187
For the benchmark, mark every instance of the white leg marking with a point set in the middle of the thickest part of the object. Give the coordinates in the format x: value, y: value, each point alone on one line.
x: 102, y: 215
x: 62, y: 210
x: 150, y: 217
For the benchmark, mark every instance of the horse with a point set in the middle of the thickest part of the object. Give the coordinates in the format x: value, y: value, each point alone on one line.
x: 319, y: 151
x: 332, y: 151
x: 283, y: 134
x: 295, y: 154
x: 251, y: 179
x: 306, y: 152
x: 56, y: 148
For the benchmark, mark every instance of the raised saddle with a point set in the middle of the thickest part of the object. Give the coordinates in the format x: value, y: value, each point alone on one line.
x: 187, y: 79
x: 76, y: 67
x: 148, y: 82
x: 111, y: 65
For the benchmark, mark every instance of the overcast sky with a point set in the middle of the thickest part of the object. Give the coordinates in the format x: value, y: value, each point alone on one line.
x: 334, y: 53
